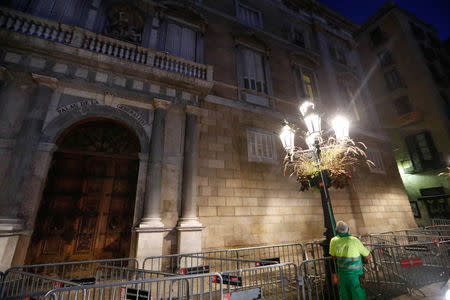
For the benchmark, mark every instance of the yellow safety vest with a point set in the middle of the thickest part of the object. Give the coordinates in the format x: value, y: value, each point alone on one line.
x: 348, y: 250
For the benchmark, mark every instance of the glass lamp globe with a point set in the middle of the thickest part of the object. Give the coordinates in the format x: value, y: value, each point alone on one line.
x: 341, y: 126
x: 313, y: 123
x: 305, y: 107
x: 287, y: 137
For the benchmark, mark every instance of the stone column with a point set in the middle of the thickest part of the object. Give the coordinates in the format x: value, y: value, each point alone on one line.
x: 189, y: 228
x: 12, y: 193
x: 151, y: 229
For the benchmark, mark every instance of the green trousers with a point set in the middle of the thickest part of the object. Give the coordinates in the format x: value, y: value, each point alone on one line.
x: 349, y: 287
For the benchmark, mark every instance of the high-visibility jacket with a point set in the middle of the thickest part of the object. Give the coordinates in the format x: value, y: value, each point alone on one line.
x: 348, y: 250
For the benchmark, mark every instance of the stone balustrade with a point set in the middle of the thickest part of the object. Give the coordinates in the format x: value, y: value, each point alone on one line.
x: 34, y: 26
x: 90, y: 41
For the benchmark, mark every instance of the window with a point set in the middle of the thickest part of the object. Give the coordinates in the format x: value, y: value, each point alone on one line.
x: 253, y: 74
x: 261, y: 145
x: 181, y: 40
x: 428, y: 52
x: 385, y: 58
x: 338, y: 54
x: 417, y: 31
x: 249, y: 15
x: 402, y: 105
x: 434, y: 41
x: 375, y: 157
x: 393, y: 80
x: 61, y: 11
x: 306, y: 83
x: 377, y: 37
x: 437, y: 77
x: 422, y: 151
x: 298, y: 38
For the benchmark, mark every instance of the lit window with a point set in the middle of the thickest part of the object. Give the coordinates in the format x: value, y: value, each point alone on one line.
x: 249, y: 15
x: 375, y: 157
x: 306, y: 83
x: 261, y: 145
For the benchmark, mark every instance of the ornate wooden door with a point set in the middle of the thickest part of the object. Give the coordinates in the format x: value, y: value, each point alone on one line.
x: 87, y: 208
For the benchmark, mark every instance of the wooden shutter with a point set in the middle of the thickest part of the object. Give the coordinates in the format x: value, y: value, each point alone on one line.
x: 162, y: 33
x: 146, y: 32
x: 173, y: 39
x: 188, y: 43
x: 44, y: 8
x: 240, y: 67
x: 59, y: 10
x: 199, y: 54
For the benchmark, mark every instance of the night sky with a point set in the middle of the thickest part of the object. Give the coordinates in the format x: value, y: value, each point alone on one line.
x: 435, y: 12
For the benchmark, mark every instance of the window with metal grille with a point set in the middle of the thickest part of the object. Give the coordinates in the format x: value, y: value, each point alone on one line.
x: 385, y: 58
x: 249, y: 15
x: 422, y: 152
x: 402, y: 105
x: 376, y: 157
x: 393, y: 80
x: 261, y: 145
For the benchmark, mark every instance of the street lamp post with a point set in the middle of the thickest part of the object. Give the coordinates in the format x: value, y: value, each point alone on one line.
x: 314, y: 141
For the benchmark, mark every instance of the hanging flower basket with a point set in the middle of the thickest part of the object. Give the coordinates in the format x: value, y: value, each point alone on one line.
x: 337, y: 162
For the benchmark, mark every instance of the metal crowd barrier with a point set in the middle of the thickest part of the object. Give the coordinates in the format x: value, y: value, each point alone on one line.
x: 435, y: 222
x: 280, y: 253
x: 400, y: 269
x: 277, y: 281
x: 241, y: 277
x: 23, y: 285
x: 401, y: 239
x: 164, y: 288
x: 314, y: 249
x: 23, y: 280
x: 315, y: 283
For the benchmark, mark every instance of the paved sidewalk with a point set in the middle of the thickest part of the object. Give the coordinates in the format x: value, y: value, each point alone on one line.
x: 431, y: 292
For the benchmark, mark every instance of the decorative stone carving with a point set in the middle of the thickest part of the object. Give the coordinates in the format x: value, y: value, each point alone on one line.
x: 124, y: 23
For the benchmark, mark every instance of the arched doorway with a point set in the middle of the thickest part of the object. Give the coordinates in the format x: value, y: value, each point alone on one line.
x: 88, y: 202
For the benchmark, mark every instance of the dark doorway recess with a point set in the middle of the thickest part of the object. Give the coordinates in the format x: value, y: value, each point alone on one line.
x: 87, y: 206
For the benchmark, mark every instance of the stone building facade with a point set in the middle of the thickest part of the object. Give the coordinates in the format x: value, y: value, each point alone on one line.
x: 146, y: 128
x: 408, y: 77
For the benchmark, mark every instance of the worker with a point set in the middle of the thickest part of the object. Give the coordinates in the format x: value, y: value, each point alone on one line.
x: 347, y: 250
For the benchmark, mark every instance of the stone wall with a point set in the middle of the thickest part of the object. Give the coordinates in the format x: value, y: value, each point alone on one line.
x: 244, y: 203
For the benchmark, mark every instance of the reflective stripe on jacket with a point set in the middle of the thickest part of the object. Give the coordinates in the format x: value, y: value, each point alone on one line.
x: 348, y: 250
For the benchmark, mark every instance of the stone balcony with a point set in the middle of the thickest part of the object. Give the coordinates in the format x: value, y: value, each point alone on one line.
x: 22, y: 30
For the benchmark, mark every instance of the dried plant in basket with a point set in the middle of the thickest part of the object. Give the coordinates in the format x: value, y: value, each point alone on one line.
x: 337, y: 159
